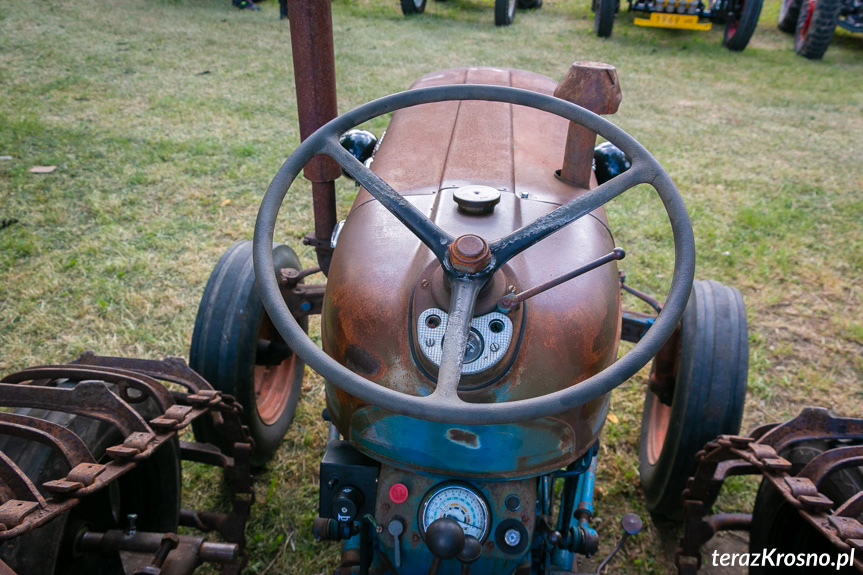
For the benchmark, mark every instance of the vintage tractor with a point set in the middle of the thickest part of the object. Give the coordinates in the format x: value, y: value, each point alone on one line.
x: 813, y: 23
x: 470, y: 320
x: 740, y: 17
x: 470, y: 323
x: 504, y: 10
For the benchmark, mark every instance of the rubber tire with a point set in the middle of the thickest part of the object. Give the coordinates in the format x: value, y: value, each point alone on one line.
x: 738, y: 39
x: 603, y: 18
x: 224, y: 348
x: 504, y: 12
x: 812, y: 36
x: 529, y: 4
x: 789, y: 11
x: 777, y: 525
x: 151, y: 491
x: 409, y: 7
x: 709, y: 392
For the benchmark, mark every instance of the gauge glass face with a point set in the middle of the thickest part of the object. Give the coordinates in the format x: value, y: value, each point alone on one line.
x: 460, y: 504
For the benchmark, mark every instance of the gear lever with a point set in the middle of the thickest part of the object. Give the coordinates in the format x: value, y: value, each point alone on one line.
x: 471, y: 552
x: 445, y: 539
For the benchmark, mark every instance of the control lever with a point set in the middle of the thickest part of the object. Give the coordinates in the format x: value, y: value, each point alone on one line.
x: 445, y: 539
x: 511, y: 301
x: 632, y: 525
x: 471, y: 552
x: 395, y: 528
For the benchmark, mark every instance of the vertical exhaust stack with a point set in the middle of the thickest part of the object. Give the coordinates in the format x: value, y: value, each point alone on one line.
x: 591, y: 85
x: 315, y: 80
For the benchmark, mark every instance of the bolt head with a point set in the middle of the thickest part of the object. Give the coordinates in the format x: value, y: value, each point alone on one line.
x: 469, y: 253
x: 512, y: 537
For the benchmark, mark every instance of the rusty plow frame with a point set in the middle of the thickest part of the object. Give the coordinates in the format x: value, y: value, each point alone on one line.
x: 25, y: 507
x: 759, y: 453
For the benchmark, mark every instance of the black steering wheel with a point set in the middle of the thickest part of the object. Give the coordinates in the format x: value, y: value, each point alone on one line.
x: 468, y: 261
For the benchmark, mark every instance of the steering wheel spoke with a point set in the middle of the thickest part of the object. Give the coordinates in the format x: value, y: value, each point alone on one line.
x: 510, y: 246
x: 423, y: 228
x: 462, y: 303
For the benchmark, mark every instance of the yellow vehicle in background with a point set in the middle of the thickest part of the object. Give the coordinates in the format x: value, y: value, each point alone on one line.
x: 740, y: 17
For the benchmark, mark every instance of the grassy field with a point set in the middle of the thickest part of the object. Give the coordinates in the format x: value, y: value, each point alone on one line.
x: 166, y: 120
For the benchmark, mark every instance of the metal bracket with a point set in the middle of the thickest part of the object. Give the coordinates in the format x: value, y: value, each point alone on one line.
x: 318, y: 243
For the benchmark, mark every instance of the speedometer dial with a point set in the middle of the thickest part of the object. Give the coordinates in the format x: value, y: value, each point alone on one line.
x: 460, y: 503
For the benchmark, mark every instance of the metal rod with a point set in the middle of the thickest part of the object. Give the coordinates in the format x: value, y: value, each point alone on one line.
x: 511, y: 301
x: 730, y: 522
x: 649, y: 300
x: 315, y: 79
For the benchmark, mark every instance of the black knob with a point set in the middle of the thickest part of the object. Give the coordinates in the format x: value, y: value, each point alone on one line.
x: 445, y: 538
x: 472, y: 550
x: 346, y: 504
x: 631, y: 523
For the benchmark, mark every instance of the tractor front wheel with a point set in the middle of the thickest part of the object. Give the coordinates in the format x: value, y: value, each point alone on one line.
x: 504, y: 12
x: 410, y: 7
x: 741, y: 23
x: 816, y: 24
x: 789, y: 11
x: 603, y: 17
x: 702, y: 375
x: 238, y: 350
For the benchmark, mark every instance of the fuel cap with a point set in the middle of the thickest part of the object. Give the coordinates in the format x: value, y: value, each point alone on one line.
x: 476, y: 199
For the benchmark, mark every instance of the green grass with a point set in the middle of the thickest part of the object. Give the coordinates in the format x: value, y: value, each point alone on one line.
x: 157, y: 112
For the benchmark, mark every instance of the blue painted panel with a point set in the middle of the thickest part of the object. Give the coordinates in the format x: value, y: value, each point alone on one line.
x: 511, y: 451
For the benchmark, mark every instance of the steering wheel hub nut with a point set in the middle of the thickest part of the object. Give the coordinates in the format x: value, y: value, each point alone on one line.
x: 469, y: 253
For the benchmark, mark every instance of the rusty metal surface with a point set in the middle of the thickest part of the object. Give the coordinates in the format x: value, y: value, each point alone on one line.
x: 449, y: 407
x: 469, y: 253
x: 73, y: 449
x: 759, y: 453
x: 663, y: 372
x: 493, y: 144
x: 591, y: 85
x: 106, y: 388
x: 512, y: 300
x: 513, y: 149
x: 142, y: 542
x: 315, y: 80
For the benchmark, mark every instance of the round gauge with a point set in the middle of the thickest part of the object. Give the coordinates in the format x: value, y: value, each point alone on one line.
x: 474, y: 347
x: 460, y: 503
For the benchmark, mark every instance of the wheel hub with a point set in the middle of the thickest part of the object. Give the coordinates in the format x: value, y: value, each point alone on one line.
x: 469, y: 253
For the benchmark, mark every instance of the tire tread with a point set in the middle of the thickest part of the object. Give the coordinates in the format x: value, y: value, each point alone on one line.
x: 818, y: 37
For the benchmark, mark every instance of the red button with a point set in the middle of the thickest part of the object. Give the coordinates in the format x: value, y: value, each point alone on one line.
x: 398, y: 493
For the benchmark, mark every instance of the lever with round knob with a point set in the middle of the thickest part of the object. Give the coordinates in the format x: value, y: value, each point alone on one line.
x: 470, y: 553
x: 445, y: 539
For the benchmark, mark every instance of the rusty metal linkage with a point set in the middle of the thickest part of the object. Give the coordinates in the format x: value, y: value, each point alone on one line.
x: 105, y: 389
x: 759, y: 453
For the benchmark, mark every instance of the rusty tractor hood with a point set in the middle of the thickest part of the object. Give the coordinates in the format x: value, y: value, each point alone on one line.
x: 382, y: 279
